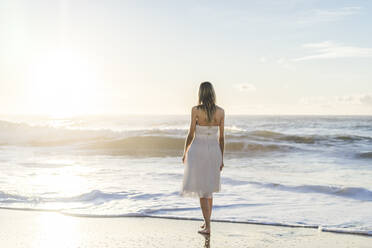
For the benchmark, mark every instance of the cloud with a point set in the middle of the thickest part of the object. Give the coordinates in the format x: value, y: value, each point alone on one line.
x: 263, y: 59
x: 330, y: 50
x: 245, y: 87
x: 283, y: 62
x: 323, y: 15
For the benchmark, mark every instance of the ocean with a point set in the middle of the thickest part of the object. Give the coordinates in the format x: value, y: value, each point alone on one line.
x: 309, y: 171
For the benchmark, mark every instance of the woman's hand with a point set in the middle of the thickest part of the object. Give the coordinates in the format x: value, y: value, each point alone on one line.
x: 183, y: 158
x: 221, y: 166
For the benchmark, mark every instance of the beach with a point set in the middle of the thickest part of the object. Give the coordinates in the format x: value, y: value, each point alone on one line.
x: 40, y: 229
x: 116, y: 116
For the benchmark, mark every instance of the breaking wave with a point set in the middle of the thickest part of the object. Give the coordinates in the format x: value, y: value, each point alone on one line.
x: 159, y: 141
x: 356, y: 193
x: 367, y: 155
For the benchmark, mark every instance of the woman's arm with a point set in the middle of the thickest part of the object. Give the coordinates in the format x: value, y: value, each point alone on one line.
x: 221, y: 138
x: 191, y: 133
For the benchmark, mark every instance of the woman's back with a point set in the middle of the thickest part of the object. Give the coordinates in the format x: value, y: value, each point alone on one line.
x: 202, y: 118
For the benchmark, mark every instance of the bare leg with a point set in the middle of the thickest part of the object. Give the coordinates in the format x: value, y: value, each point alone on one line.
x: 204, y: 205
x: 210, y: 203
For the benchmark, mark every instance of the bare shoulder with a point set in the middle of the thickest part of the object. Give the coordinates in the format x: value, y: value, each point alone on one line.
x: 194, y: 111
x: 220, y: 110
x: 194, y: 108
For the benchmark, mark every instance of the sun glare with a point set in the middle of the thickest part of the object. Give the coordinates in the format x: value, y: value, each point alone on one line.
x: 62, y: 83
x: 67, y: 181
x: 56, y: 230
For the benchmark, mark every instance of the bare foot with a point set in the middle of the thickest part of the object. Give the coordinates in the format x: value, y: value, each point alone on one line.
x: 205, y: 231
x: 202, y: 226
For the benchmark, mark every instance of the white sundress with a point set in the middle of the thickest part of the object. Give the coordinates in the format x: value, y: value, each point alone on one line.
x: 202, y: 164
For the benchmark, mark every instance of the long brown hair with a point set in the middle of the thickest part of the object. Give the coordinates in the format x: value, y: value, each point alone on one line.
x: 207, y: 99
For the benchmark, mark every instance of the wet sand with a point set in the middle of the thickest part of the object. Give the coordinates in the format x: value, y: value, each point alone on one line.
x: 20, y: 228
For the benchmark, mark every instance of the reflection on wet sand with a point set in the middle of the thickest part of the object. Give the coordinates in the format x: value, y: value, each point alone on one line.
x: 207, y: 240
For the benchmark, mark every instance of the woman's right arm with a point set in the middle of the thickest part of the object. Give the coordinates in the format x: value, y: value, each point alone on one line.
x: 191, y: 133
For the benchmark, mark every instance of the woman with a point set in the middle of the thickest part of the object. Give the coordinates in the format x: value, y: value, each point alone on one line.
x: 203, y: 153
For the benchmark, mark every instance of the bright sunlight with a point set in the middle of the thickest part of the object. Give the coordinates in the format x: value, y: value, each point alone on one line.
x: 62, y: 83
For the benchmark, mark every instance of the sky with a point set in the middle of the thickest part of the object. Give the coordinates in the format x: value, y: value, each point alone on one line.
x: 65, y: 58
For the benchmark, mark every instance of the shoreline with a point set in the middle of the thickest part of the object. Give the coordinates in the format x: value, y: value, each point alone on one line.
x: 273, y: 224
x: 35, y: 229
